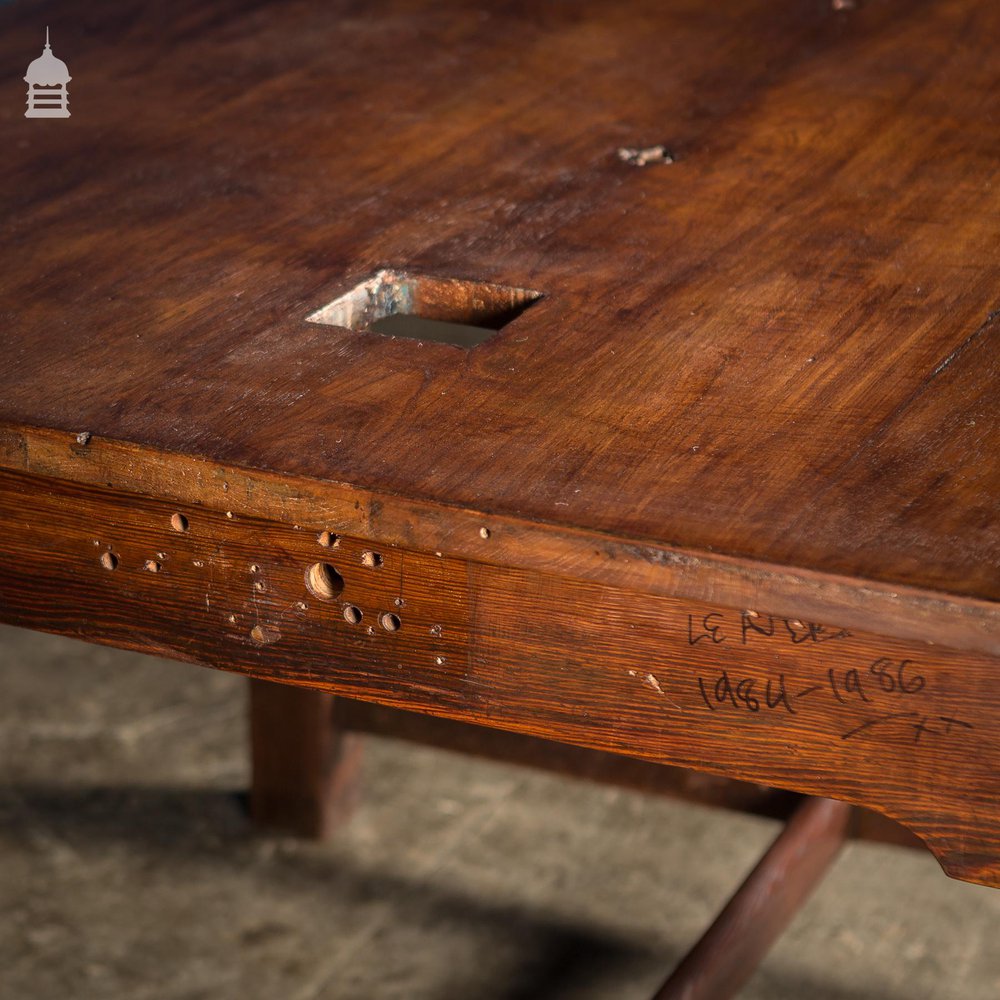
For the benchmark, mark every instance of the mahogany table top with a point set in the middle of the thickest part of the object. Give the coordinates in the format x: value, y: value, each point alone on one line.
x: 764, y: 359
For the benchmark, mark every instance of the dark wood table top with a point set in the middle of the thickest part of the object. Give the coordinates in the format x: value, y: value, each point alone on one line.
x: 781, y: 347
x: 744, y: 264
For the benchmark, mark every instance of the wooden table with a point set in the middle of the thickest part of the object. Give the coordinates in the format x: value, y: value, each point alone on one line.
x: 718, y: 486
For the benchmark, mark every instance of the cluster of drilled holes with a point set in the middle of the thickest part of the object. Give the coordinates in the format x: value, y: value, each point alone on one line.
x: 110, y: 561
x: 324, y: 582
x: 389, y: 621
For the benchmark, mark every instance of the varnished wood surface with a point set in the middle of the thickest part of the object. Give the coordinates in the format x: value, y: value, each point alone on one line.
x: 305, y: 771
x: 780, y: 348
x: 594, y: 765
x: 909, y: 729
x: 730, y: 950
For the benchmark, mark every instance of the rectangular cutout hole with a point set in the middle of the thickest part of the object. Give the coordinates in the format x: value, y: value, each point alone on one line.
x: 416, y: 307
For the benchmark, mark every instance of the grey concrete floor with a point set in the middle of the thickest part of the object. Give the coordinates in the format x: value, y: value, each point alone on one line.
x: 129, y: 870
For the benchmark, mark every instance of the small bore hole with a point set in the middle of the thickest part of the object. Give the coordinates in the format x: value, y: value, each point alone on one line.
x: 389, y: 621
x: 151, y: 566
x: 371, y: 559
x: 484, y: 532
x: 352, y: 615
x: 179, y: 522
x: 264, y: 634
x: 323, y: 581
x: 109, y: 560
x: 327, y: 539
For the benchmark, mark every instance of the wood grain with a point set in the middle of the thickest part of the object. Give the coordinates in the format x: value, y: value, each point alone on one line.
x: 929, y: 616
x: 908, y: 729
x: 782, y: 347
x: 305, y: 771
x: 758, y: 392
x: 599, y: 766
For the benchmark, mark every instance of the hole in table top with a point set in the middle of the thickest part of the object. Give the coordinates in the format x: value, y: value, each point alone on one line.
x: 109, y: 560
x: 323, y: 581
x: 352, y: 615
x: 179, y: 522
x: 389, y: 621
x: 373, y: 560
x: 417, y: 307
x: 327, y: 539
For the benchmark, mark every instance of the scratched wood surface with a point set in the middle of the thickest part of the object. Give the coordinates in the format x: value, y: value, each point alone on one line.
x: 908, y: 729
x: 758, y: 393
x: 778, y: 350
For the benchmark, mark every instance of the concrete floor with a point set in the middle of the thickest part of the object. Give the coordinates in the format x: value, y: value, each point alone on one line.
x: 130, y: 871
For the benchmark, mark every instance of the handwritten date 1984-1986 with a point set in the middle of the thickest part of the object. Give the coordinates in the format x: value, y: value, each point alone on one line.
x: 863, y: 690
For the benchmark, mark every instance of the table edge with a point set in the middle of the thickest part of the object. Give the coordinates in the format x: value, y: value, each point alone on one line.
x: 902, y: 611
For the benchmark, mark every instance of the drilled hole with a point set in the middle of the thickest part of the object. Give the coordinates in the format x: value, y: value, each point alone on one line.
x: 324, y: 581
x: 371, y: 559
x: 151, y: 566
x: 327, y: 539
x: 352, y: 614
x: 264, y: 634
x: 109, y: 560
x: 417, y: 307
x: 389, y: 621
x: 179, y: 522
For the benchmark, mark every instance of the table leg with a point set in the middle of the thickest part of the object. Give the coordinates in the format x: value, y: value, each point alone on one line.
x: 763, y: 906
x: 305, y: 770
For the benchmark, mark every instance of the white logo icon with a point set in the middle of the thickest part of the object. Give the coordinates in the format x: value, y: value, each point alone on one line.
x: 47, y: 78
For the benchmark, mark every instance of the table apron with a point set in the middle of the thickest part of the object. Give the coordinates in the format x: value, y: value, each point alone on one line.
x: 907, y: 728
